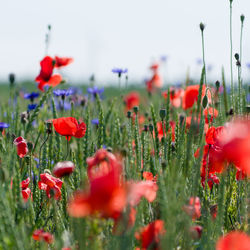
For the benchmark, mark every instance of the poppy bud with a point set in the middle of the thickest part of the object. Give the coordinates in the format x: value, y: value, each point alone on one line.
x: 236, y: 56
x: 136, y: 109
x: 30, y: 146
x: 12, y: 78
x: 204, y: 101
x: 129, y: 114
x: 49, y: 27
x: 151, y: 128
x: 146, y: 114
x: 145, y: 128
x: 163, y: 113
x: 230, y: 112
x: 162, y: 140
x: 217, y: 84
x: 164, y: 164
x: 196, y: 232
x: 24, y: 117
x: 181, y: 118
x: 49, y: 127
x: 124, y: 152
x: 202, y: 26
x: 242, y: 18
x: 173, y: 146
x: 63, y: 168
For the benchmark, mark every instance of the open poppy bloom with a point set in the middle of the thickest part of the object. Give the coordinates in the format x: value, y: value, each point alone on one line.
x: 176, y: 95
x: 68, y: 127
x: 150, y: 235
x: 131, y: 100
x: 62, y: 61
x: 40, y: 235
x: 22, y: 148
x: 63, y: 168
x: 46, y: 76
x: 108, y: 194
x: 191, y: 96
x: 49, y: 183
x: 25, y: 189
x: 211, y: 113
x: 234, y: 240
x: 148, y: 176
x: 194, y: 208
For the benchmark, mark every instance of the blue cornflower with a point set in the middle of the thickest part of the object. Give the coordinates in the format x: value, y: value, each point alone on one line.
x: 248, y: 98
x: 119, y: 71
x: 248, y: 65
x: 63, y: 92
x: 199, y: 61
x: 164, y: 58
x: 4, y: 125
x: 95, y: 121
x: 62, y: 105
x: 94, y: 91
x: 31, y: 96
x: 32, y: 106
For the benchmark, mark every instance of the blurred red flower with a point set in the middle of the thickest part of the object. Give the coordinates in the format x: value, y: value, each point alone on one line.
x: 49, y: 183
x: 40, y: 235
x: 176, y: 95
x: 160, y: 130
x: 191, y: 96
x: 45, y: 76
x: 211, y: 112
x: 150, y: 235
x: 194, y: 208
x: 234, y: 240
x: 63, y: 168
x: 62, y: 61
x: 131, y: 100
x: 196, y: 232
x: 25, y: 189
x: 22, y: 148
x: 68, y: 127
x: 108, y: 194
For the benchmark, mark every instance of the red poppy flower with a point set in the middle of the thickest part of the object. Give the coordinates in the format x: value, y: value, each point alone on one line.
x: 22, y: 148
x: 154, y: 67
x: 49, y: 183
x: 45, y: 76
x: 194, y: 208
x: 196, y: 232
x: 106, y: 195
x: 131, y: 100
x: 137, y: 190
x: 240, y: 175
x: 148, y: 176
x: 234, y: 240
x: 40, y: 235
x: 235, y: 145
x: 25, y: 190
x: 191, y: 96
x: 62, y: 61
x: 160, y: 129
x: 175, y: 96
x: 63, y: 168
x: 150, y: 235
x: 68, y: 127
x: 212, y: 112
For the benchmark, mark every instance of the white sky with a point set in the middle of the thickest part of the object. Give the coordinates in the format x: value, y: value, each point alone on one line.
x: 102, y: 34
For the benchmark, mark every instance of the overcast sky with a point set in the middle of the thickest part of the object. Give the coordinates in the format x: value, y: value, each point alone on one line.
x: 102, y: 34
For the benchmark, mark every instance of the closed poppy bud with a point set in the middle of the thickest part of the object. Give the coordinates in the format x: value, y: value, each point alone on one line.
x: 63, y: 168
x: 136, y: 109
x: 204, y: 102
x: 151, y: 127
x: 242, y: 18
x: 217, y: 84
x: 202, y: 26
x: 129, y: 114
x: 163, y: 113
x: 11, y: 78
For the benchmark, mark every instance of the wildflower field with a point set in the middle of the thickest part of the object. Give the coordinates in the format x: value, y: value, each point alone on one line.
x: 150, y: 166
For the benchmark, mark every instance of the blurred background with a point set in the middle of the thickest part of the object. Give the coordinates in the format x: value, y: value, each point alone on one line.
x: 101, y: 35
